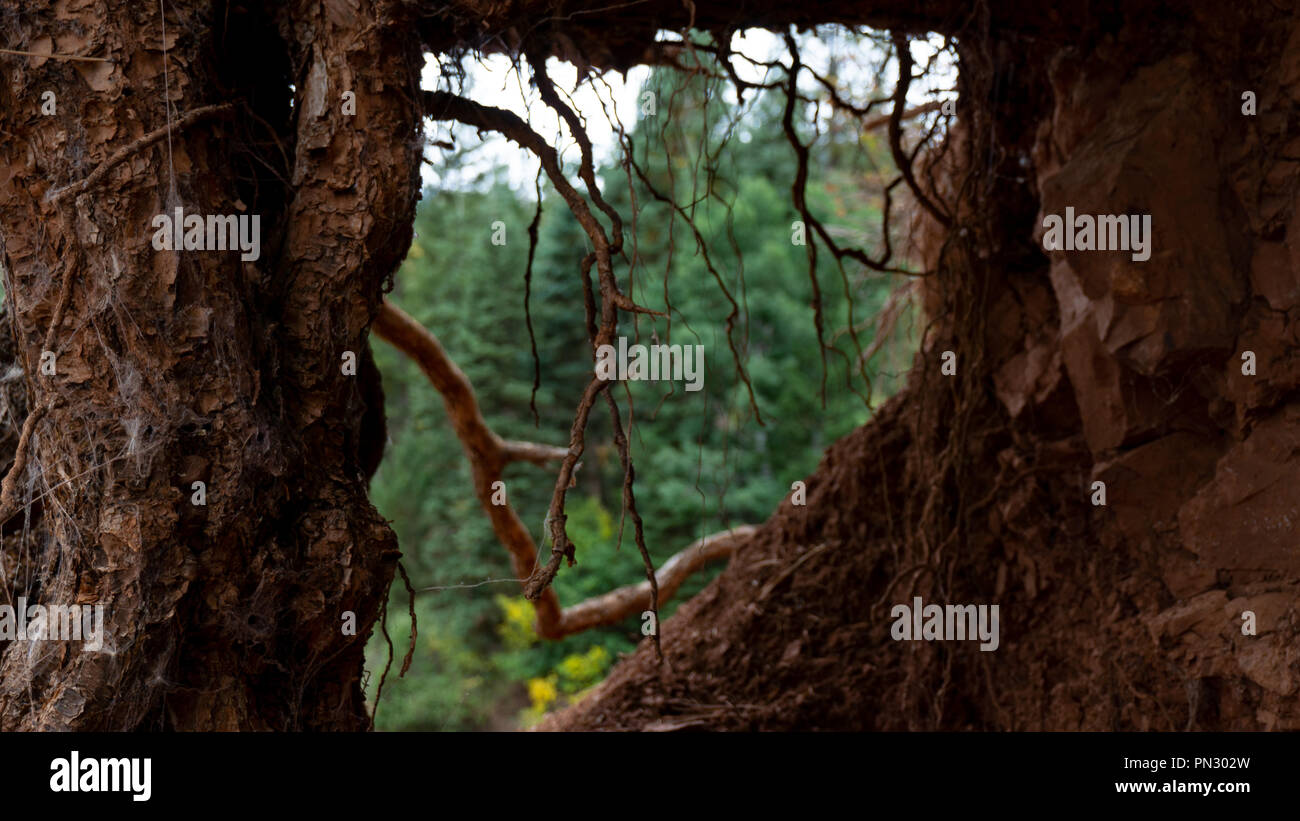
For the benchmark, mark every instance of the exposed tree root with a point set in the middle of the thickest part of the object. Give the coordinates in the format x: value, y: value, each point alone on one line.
x: 117, y: 157
x: 488, y: 455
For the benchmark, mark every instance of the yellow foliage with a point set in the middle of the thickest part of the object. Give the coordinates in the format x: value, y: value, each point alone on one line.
x: 582, y: 670
x: 542, y: 692
x: 517, y: 629
x: 575, y: 676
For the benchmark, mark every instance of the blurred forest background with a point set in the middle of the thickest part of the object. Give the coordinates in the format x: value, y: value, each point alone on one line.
x: 703, y: 463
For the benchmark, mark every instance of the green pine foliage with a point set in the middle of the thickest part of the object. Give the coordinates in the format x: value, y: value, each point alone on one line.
x: 702, y: 460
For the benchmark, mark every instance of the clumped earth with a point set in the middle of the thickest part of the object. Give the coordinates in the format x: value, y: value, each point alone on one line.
x: 1074, y: 367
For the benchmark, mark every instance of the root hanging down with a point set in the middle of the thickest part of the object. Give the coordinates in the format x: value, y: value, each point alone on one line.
x: 488, y: 455
x: 445, y: 105
x: 604, y: 300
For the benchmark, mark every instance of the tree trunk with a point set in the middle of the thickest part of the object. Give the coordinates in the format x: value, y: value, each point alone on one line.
x: 175, y: 367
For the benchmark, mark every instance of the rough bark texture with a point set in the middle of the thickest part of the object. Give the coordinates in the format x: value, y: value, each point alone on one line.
x: 194, y: 366
x: 1074, y: 367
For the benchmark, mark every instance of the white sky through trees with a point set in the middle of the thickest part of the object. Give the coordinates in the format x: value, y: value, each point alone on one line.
x: 494, y: 80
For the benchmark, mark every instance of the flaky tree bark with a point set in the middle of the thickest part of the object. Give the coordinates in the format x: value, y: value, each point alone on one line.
x: 176, y: 367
